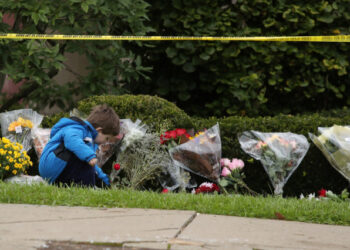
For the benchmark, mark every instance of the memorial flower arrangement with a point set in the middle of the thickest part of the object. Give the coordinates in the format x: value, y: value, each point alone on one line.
x: 206, y: 187
x: 334, y: 143
x: 279, y: 153
x: 232, y: 175
x: 13, y: 159
x: 17, y: 126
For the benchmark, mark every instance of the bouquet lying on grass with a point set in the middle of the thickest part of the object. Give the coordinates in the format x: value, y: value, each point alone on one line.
x: 324, y: 194
x: 334, y: 143
x: 141, y: 160
x: 17, y: 126
x: 13, y: 159
x: 279, y: 153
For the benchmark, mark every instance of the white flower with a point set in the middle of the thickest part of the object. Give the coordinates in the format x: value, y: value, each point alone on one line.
x: 301, y: 196
x: 206, y: 184
x: 311, y: 196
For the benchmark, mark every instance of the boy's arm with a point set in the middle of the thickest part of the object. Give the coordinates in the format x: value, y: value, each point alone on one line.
x: 74, y: 142
x: 102, y: 175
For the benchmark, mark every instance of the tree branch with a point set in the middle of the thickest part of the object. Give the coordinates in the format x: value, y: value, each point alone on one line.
x: 25, y: 91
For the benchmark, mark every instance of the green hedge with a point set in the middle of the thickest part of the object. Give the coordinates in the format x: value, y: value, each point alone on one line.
x: 231, y: 78
x: 154, y: 111
x: 313, y: 174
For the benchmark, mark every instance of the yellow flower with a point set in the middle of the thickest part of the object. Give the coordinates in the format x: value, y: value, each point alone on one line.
x: 198, y: 134
x: 14, y: 172
x: 7, y: 168
x: 5, y: 140
x: 11, y: 160
x: 10, y: 152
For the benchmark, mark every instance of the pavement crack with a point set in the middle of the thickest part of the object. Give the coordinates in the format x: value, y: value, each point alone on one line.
x: 187, y: 222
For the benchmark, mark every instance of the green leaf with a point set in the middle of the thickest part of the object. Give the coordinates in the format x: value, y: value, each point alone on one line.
x: 171, y: 52
x: 35, y: 18
x: 223, y: 182
x: 85, y: 7
x: 204, y: 56
x: 184, y: 96
x: 188, y: 67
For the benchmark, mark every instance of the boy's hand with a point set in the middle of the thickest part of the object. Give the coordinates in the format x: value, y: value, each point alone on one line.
x: 93, y: 162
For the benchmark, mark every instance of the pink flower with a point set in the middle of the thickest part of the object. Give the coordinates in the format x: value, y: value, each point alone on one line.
x: 236, y: 164
x: 240, y: 164
x: 225, y: 172
x: 165, y: 191
x: 225, y: 162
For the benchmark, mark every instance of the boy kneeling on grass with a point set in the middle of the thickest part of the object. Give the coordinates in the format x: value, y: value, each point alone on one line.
x: 70, y: 155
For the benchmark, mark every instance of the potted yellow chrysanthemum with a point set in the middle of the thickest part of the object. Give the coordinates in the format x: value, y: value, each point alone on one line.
x: 13, y: 159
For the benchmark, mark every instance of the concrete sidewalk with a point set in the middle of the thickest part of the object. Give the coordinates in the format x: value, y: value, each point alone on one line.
x: 33, y: 227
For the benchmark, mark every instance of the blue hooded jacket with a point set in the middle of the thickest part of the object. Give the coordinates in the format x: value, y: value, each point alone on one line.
x: 77, y: 138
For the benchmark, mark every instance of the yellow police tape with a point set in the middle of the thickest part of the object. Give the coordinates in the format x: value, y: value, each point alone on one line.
x: 337, y: 38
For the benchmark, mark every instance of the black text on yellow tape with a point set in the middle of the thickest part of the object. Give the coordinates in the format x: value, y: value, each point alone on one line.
x: 337, y: 38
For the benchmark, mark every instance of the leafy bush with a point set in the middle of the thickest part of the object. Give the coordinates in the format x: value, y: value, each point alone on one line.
x: 230, y: 78
x: 39, y: 61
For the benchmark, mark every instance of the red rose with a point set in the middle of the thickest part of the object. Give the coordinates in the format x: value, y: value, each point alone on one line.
x: 173, y: 134
x: 165, y: 191
x: 116, y: 166
x: 180, y: 131
x: 322, y: 192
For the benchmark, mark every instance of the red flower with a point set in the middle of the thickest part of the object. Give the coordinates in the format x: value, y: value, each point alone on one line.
x: 322, y: 192
x: 207, y: 188
x: 116, y: 166
x: 165, y: 191
x: 170, y: 134
x: 180, y: 131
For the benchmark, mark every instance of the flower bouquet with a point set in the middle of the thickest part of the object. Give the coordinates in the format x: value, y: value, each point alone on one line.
x: 334, y: 143
x: 174, y: 176
x: 206, y: 187
x: 132, y: 131
x: 279, y: 153
x: 13, y: 159
x: 41, y: 137
x: 141, y: 163
x: 17, y: 126
x: 324, y: 194
x: 200, y: 154
x: 232, y: 175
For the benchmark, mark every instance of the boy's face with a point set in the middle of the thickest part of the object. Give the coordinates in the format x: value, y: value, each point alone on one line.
x: 104, y: 138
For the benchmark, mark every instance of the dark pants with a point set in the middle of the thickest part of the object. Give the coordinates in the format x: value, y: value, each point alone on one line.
x: 77, y: 172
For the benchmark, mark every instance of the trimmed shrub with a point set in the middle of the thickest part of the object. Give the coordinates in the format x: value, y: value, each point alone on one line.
x: 154, y: 111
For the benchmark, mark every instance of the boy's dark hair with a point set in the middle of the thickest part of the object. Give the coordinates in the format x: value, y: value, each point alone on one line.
x: 106, y: 118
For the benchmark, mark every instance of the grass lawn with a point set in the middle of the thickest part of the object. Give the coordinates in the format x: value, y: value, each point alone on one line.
x: 326, y: 212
